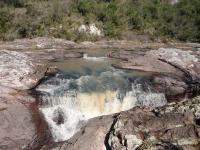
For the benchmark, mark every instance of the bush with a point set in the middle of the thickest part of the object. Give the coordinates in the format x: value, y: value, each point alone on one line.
x: 60, y: 18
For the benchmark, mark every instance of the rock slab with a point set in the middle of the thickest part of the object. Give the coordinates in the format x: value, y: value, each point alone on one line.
x: 20, y: 119
x: 19, y: 71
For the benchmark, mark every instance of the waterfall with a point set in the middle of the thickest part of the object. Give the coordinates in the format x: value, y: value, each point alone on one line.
x: 68, y: 102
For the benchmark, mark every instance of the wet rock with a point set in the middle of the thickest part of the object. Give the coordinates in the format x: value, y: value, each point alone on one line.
x: 91, y: 136
x: 20, y: 122
x: 169, y: 127
x: 19, y: 71
x: 58, y: 116
x: 147, y: 129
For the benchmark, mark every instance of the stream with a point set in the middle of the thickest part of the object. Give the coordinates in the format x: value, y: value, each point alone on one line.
x: 88, y: 87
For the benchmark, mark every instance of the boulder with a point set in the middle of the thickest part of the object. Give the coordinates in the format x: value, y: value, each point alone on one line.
x: 92, y: 136
x: 19, y: 71
x: 172, y: 86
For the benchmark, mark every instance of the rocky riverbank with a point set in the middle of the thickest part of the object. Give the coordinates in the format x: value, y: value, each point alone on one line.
x: 21, y: 122
x: 24, y: 63
x: 53, y: 43
x: 175, y: 126
x: 176, y: 71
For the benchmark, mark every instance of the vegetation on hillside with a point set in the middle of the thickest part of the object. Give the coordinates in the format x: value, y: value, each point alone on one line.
x: 117, y: 18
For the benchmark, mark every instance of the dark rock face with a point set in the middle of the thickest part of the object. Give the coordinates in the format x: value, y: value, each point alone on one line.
x: 20, y: 119
x: 58, y: 117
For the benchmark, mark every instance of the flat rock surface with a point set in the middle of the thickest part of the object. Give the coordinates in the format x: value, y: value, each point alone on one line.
x: 152, y: 60
x: 176, y: 71
x: 19, y: 71
x: 53, y: 54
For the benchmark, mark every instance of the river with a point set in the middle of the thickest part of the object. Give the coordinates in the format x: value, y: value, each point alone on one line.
x: 88, y: 87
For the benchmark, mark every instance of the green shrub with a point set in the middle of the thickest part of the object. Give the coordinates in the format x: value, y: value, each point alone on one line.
x: 60, y: 18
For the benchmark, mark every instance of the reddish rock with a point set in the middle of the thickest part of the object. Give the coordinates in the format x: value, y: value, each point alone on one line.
x: 138, y: 128
x: 19, y: 71
x: 20, y: 122
x: 91, y: 136
x: 176, y: 71
x: 174, y: 128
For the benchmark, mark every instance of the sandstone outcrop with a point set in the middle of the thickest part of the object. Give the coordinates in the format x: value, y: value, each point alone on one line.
x: 92, y: 136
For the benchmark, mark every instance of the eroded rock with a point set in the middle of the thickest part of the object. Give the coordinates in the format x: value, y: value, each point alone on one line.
x: 170, y: 85
x: 176, y: 71
x: 147, y: 129
x: 21, y: 122
x: 169, y: 127
x: 19, y: 71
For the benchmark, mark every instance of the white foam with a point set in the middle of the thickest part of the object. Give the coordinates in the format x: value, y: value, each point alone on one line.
x: 77, y: 107
x: 85, y: 56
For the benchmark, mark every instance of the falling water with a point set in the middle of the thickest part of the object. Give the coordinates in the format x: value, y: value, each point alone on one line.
x: 71, y: 98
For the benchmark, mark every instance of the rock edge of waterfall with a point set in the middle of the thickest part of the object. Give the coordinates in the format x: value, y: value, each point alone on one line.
x: 174, y: 126
x: 22, y: 123
x: 176, y: 71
